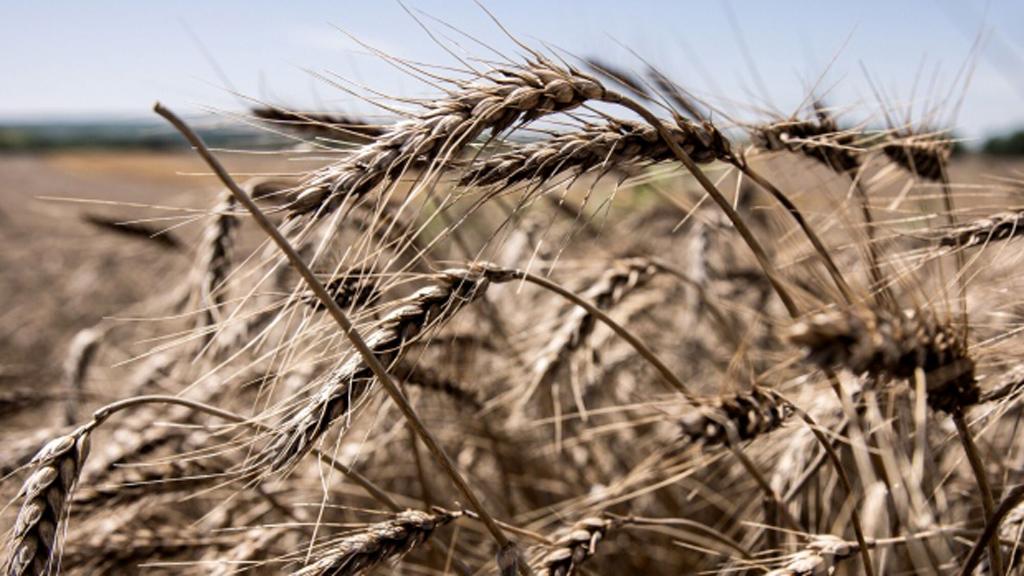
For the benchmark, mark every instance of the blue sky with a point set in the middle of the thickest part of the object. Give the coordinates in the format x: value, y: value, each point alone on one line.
x: 70, y: 58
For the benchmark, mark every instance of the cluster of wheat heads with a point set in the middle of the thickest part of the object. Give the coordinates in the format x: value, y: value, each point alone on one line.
x: 506, y: 334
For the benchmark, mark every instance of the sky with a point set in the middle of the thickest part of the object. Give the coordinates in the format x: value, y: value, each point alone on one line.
x: 67, y: 59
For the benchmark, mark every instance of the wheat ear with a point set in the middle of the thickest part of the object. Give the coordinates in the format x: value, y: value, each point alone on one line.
x: 496, y: 101
x: 879, y: 342
x: 750, y: 414
x: 994, y: 228
x: 377, y: 544
x: 429, y: 308
x: 34, y: 545
x: 818, y: 557
x: 575, y: 548
x: 215, y: 258
x: 319, y: 124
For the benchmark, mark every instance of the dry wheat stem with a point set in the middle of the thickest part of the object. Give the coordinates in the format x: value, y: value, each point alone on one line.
x: 837, y: 463
x: 995, y: 553
x: 1013, y: 498
x: 798, y: 216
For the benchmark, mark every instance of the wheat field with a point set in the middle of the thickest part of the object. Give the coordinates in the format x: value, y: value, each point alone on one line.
x: 558, y: 318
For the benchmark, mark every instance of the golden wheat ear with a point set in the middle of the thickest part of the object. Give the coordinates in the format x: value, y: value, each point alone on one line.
x: 377, y: 544
x: 749, y: 415
x: 34, y: 544
x: 882, y: 343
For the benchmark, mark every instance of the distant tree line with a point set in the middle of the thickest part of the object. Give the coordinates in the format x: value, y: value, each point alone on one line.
x: 1009, y: 145
x: 125, y: 135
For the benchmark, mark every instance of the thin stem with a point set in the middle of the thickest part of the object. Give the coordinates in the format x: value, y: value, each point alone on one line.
x: 813, y: 467
x: 628, y: 521
x: 1012, y: 499
x: 798, y: 216
x: 858, y: 530
x: 884, y: 295
x: 713, y: 308
x: 978, y: 467
x: 947, y: 197
x: 759, y: 479
x: 421, y: 472
x: 507, y: 546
